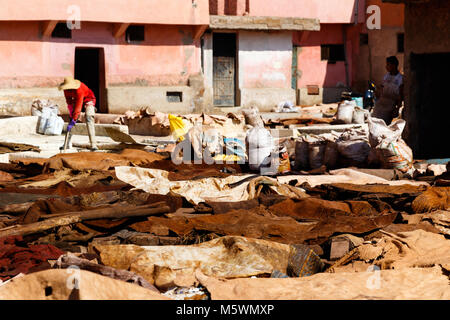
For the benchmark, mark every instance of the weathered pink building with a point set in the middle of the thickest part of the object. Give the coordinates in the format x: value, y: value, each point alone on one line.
x: 306, y: 62
x: 181, y: 55
x: 133, y: 53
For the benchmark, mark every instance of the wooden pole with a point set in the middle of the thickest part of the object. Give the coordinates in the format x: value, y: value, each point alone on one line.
x: 117, y: 212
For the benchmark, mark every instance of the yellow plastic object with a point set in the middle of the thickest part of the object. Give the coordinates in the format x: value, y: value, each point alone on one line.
x: 284, y: 163
x: 177, y: 127
x: 227, y: 157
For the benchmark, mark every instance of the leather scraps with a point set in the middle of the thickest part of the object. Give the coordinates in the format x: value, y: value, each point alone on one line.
x: 405, y: 284
x: 100, y: 160
x: 8, y: 147
x: 196, y: 191
x: 16, y: 257
x: 86, y: 285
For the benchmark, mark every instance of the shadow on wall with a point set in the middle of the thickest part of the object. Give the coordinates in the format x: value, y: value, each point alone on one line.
x: 332, y: 95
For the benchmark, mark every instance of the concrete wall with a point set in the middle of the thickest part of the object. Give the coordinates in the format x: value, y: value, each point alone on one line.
x: 176, y: 12
x: 167, y: 58
x: 121, y: 99
x: 264, y: 61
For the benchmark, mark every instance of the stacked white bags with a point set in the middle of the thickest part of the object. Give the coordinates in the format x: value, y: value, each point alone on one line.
x: 49, y: 123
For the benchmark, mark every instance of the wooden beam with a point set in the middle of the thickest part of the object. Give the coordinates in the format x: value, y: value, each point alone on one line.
x: 48, y: 27
x: 199, y: 30
x: 119, y: 29
x: 58, y: 220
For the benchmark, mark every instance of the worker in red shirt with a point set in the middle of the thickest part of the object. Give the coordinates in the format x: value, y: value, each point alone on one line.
x: 79, y: 98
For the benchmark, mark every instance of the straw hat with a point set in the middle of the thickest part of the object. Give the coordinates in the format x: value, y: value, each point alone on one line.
x: 69, y: 83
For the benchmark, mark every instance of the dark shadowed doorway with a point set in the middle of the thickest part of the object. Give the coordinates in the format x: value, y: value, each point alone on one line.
x: 90, y: 69
x: 224, y: 69
x: 429, y: 112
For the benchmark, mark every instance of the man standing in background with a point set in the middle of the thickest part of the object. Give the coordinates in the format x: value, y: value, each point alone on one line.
x: 391, y: 97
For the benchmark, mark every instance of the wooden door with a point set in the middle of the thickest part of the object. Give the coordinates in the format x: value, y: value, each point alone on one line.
x: 224, y: 81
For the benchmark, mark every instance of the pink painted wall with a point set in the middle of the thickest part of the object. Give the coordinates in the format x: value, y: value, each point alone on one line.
x: 176, y: 12
x: 313, y: 70
x: 167, y: 57
x: 265, y: 59
x: 327, y: 11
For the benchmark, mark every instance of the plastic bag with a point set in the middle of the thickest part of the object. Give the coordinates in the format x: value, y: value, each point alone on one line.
x: 359, y: 115
x: 379, y: 131
x: 286, y: 106
x: 353, y: 145
x: 344, y: 112
x: 253, y: 118
x: 54, y: 125
x: 42, y: 124
x: 235, y: 146
x: 260, y: 144
x: 38, y: 105
x: 396, y: 155
x: 212, y: 141
x: 393, y: 152
x: 177, y: 127
x: 356, y: 150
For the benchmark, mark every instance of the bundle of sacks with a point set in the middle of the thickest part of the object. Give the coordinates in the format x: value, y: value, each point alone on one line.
x: 49, y: 123
x: 391, y: 151
x: 348, y: 112
x: 205, y: 144
x: 381, y: 146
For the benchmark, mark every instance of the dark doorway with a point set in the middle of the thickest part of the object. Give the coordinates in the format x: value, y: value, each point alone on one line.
x: 224, y: 69
x: 90, y: 69
x: 429, y: 113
